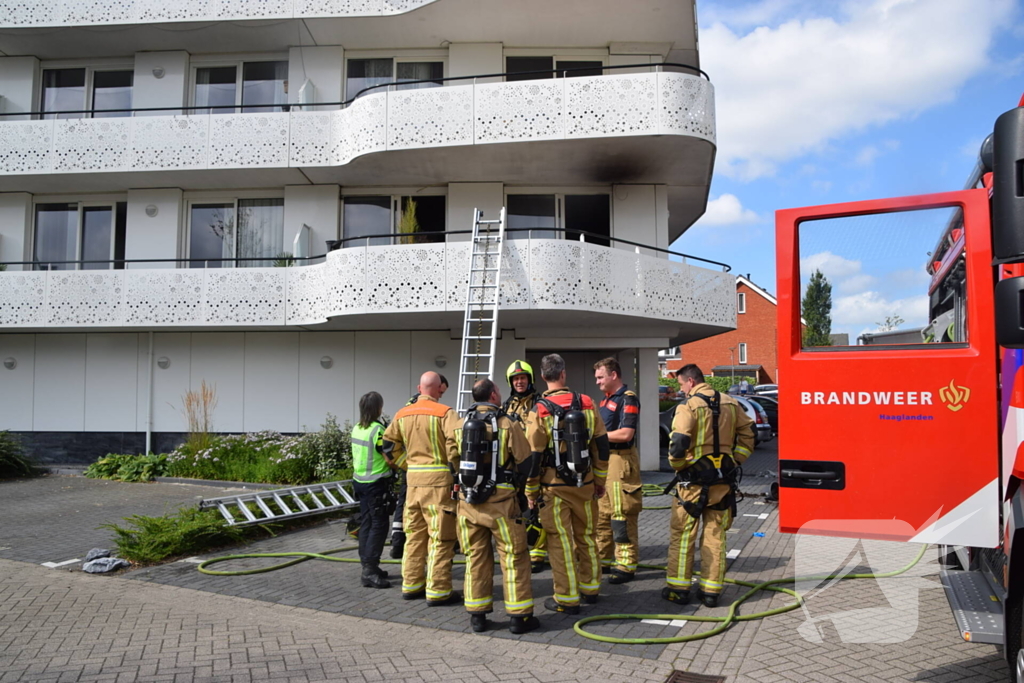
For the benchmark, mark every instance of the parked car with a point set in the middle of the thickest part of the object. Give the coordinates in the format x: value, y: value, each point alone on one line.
x: 771, y: 408
x: 762, y: 427
x: 766, y: 389
x: 665, y: 393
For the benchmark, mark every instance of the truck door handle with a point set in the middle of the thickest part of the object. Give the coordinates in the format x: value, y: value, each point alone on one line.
x: 812, y: 474
x: 797, y: 474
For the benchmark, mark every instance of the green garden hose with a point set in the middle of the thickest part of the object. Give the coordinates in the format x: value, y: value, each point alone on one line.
x: 731, y: 617
x: 648, y: 490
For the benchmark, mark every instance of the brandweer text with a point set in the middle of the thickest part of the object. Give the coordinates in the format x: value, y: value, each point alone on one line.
x: 866, y: 398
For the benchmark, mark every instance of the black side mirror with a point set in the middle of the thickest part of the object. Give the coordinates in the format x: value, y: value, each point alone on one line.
x: 1008, y: 187
x: 1010, y: 313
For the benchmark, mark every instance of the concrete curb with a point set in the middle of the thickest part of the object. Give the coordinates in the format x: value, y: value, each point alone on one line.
x: 218, y: 484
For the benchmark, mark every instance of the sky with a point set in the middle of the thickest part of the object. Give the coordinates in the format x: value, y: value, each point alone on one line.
x: 829, y: 101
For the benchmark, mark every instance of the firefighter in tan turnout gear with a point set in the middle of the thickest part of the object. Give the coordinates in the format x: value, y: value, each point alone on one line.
x: 711, y: 437
x: 569, y: 440
x: 491, y: 447
x: 619, y: 510
x: 421, y: 441
x: 522, y: 397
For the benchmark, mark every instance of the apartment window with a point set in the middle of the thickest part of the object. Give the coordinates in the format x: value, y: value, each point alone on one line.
x: 382, y: 215
x: 519, y: 68
x: 86, y: 90
x: 366, y: 73
x: 543, y: 214
x: 741, y: 353
x: 79, y: 232
x: 250, y: 86
x: 741, y: 302
x: 242, y: 229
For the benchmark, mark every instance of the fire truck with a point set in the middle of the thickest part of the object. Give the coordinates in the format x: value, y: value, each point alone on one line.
x: 933, y: 445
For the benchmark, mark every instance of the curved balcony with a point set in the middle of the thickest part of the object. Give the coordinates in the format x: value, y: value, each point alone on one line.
x: 40, y: 13
x: 647, y: 127
x: 544, y: 283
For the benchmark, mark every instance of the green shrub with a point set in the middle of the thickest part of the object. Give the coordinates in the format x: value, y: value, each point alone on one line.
x: 670, y: 382
x: 330, y: 449
x: 128, y: 467
x: 13, y: 462
x: 666, y: 404
x: 189, y: 531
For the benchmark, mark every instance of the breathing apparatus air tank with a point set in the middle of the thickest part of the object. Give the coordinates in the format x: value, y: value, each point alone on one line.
x: 577, y: 437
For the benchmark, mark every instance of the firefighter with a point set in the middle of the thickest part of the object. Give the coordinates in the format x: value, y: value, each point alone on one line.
x: 711, y: 436
x: 421, y: 441
x: 491, y: 449
x: 371, y: 473
x: 397, y: 532
x: 521, y: 399
x: 570, y: 447
x: 619, y: 511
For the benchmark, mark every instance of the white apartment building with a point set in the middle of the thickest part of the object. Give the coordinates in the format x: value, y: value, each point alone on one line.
x: 159, y: 157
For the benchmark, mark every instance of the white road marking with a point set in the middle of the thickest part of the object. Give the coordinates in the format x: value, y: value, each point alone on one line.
x: 663, y: 622
x: 54, y: 565
x: 733, y: 554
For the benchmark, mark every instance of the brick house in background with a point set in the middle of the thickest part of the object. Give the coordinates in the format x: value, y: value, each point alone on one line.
x: 750, y: 350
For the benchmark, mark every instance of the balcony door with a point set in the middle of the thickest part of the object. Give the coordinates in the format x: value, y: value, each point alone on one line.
x: 73, y: 236
x: 248, y: 87
x: 86, y: 93
x: 550, y: 216
x: 528, y: 68
x: 378, y: 219
x: 407, y: 73
x: 247, y: 229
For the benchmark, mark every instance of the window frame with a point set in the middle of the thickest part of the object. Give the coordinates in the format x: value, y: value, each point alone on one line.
x: 91, y: 69
x: 81, y: 205
x: 215, y: 197
x: 576, y: 55
x: 741, y: 302
x: 214, y: 62
x: 741, y: 353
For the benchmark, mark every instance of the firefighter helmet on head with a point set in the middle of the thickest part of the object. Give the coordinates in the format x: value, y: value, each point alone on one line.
x: 519, y: 367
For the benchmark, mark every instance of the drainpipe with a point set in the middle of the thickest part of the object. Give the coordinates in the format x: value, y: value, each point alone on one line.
x: 149, y: 400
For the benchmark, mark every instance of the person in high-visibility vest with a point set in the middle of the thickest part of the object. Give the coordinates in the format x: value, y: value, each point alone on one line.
x: 371, y: 475
x: 421, y: 441
x: 517, y: 406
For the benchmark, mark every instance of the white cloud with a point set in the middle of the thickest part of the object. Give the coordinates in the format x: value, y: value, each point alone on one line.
x: 727, y: 210
x: 868, y: 308
x: 834, y: 267
x: 856, y: 284
x: 786, y: 90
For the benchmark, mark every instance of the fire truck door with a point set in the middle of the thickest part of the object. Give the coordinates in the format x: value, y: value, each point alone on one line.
x: 893, y: 435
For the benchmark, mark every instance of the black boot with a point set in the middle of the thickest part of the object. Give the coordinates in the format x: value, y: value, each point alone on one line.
x: 381, y: 573
x: 523, y: 623
x: 371, y: 578
x: 709, y: 599
x: 618, y: 576
x: 680, y: 597
x: 397, y: 544
x: 478, y: 620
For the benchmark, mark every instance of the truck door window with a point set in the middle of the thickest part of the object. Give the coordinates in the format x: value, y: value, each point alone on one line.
x: 883, y: 279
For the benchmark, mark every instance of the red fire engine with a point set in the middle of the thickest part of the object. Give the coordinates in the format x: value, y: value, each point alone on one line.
x: 933, y: 445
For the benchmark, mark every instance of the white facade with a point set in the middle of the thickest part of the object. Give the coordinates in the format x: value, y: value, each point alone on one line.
x: 241, y: 139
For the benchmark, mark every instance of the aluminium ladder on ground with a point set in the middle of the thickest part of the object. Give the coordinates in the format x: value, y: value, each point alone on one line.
x: 275, y: 505
x: 480, y: 324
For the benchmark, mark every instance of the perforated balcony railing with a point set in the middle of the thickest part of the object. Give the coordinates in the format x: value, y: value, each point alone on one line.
x: 537, y: 275
x: 28, y: 13
x: 608, y: 106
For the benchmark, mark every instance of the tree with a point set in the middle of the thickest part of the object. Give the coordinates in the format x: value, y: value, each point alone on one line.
x: 816, y: 309
x: 891, y: 323
x: 408, y: 225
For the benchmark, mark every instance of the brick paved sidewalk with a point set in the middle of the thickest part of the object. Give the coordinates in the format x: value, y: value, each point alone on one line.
x: 62, y: 626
